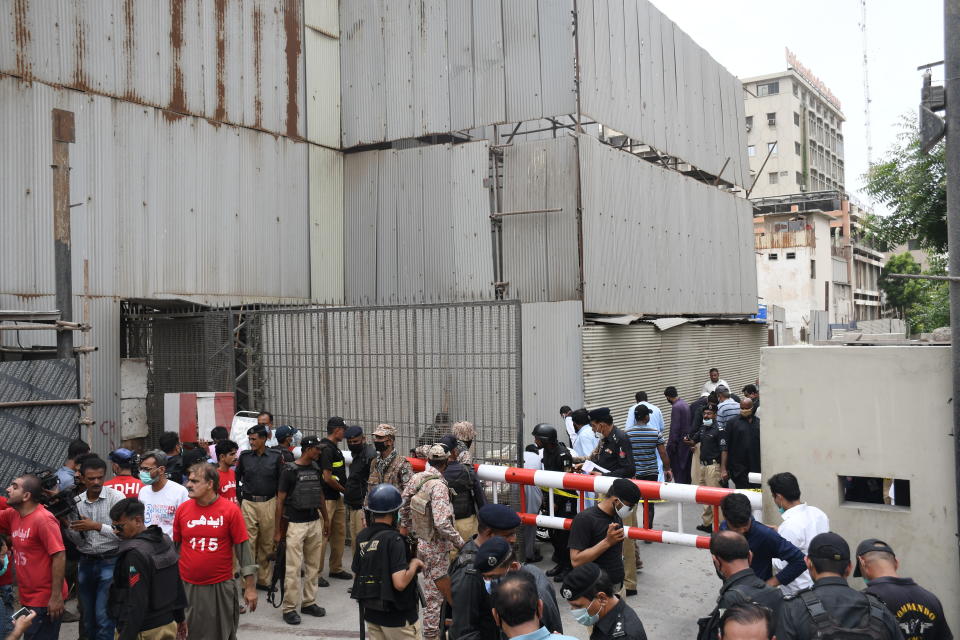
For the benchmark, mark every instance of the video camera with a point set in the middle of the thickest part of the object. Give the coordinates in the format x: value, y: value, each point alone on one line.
x: 60, y: 504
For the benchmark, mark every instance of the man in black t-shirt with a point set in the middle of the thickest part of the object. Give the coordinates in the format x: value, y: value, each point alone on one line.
x: 300, y: 502
x: 918, y: 612
x: 597, y: 533
x: 334, y: 470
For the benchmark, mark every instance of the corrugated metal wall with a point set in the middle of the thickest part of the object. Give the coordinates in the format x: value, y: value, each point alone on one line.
x: 417, y: 225
x: 552, y: 351
x: 678, y: 99
x: 658, y: 242
x: 417, y: 67
x: 235, y: 62
x: 618, y: 361
x: 540, y: 249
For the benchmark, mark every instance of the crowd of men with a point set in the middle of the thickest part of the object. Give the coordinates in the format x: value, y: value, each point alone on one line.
x: 180, y: 540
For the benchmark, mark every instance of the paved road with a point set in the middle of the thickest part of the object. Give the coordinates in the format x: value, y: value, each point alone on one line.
x: 676, y: 586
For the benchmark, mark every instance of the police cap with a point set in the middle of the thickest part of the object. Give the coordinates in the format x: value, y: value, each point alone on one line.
x: 309, y: 442
x: 449, y: 441
x: 492, y: 554
x: 829, y: 546
x: 353, y: 432
x: 601, y: 415
x: 499, y: 517
x: 285, y: 431
x: 580, y: 580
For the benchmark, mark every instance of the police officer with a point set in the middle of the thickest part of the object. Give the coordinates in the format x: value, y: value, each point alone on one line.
x: 466, y: 494
x: 385, y: 584
x: 831, y: 606
x: 258, y: 475
x: 285, y: 436
x: 357, y: 478
x: 556, y: 457
x: 588, y: 590
x: 712, y: 470
x: 428, y: 514
x: 146, y: 595
x: 614, y: 452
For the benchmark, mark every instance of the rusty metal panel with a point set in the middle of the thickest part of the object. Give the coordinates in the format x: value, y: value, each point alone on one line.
x: 638, y: 217
x: 168, y: 207
x: 238, y: 62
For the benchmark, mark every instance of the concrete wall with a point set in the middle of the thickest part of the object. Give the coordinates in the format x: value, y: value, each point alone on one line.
x: 870, y: 411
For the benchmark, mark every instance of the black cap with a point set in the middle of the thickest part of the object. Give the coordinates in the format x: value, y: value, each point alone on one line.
x: 257, y: 429
x: 580, y: 580
x: 492, y: 554
x: 869, y: 545
x: 499, y: 517
x: 449, y: 441
x: 601, y: 415
x: 309, y: 441
x: 336, y: 421
x: 353, y: 432
x: 626, y: 490
x: 829, y: 546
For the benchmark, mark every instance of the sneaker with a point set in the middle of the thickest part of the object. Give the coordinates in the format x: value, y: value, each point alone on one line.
x: 322, y: 582
x: 560, y: 576
x: 342, y: 575
x: 555, y: 571
x: 631, y: 592
x: 704, y: 528
x: 314, y: 610
x: 263, y: 587
x: 69, y: 616
x: 291, y: 617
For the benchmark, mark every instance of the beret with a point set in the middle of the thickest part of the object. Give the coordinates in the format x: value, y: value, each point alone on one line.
x: 492, y: 554
x: 499, y: 517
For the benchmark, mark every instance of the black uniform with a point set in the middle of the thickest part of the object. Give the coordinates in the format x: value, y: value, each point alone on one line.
x: 331, y: 457
x: 620, y: 623
x: 466, y: 494
x: 713, y: 441
x: 258, y: 475
x: 559, y: 458
x: 918, y: 612
x: 590, y: 527
x: 286, y: 453
x: 740, y: 446
x: 845, y: 606
x: 615, y: 454
x: 381, y: 552
x: 743, y: 586
x: 356, y: 484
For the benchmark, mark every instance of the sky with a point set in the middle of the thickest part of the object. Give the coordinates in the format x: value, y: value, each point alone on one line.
x: 748, y: 38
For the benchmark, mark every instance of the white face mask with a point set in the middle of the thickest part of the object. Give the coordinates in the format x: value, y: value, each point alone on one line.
x: 624, y: 510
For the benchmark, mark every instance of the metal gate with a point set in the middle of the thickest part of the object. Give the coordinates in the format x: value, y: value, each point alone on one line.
x: 419, y: 368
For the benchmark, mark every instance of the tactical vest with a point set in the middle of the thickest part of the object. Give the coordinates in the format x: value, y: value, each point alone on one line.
x: 308, y: 492
x: 421, y: 509
x: 164, y: 581
x: 826, y: 628
x: 461, y: 495
x: 373, y: 584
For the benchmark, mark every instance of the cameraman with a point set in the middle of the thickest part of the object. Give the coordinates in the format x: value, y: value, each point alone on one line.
x: 97, y: 544
x: 39, y: 555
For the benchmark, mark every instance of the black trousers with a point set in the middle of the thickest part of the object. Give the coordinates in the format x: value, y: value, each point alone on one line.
x: 562, y: 508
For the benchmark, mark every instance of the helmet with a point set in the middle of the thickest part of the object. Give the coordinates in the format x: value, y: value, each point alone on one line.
x: 384, y: 498
x: 545, y: 431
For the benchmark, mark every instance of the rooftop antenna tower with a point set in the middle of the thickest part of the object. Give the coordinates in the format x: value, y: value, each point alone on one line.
x: 866, y: 82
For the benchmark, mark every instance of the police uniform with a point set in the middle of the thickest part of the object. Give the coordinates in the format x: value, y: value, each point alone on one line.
x: 741, y: 587
x: 381, y: 552
x: 428, y: 513
x: 713, y: 442
x: 621, y: 622
x: 832, y: 601
x: 258, y: 476
x: 614, y: 452
x: 559, y: 458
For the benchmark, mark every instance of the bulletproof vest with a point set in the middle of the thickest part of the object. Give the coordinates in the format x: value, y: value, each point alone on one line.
x: 165, y: 579
x: 356, y: 484
x: 308, y: 491
x: 461, y: 495
x: 825, y: 627
x: 373, y: 583
x: 421, y: 509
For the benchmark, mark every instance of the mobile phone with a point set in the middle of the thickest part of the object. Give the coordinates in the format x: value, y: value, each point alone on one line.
x: 22, y: 611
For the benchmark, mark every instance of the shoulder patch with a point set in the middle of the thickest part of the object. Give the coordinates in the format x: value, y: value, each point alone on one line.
x: 618, y: 630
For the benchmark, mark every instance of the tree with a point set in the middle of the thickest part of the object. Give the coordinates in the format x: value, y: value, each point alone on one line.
x: 914, y: 186
x: 902, y: 293
x: 932, y: 310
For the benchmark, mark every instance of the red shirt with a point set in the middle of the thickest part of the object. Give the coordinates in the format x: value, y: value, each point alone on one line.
x: 206, y: 536
x: 35, y: 539
x: 129, y: 486
x: 7, y: 578
x: 228, y: 485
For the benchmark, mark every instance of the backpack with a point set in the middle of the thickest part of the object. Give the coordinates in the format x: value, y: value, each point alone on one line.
x: 421, y: 509
x: 710, y: 626
x: 826, y: 628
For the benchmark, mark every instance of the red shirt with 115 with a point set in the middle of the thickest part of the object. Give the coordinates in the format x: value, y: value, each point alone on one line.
x: 35, y: 539
x: 206, y: 536
x: 228, y: 485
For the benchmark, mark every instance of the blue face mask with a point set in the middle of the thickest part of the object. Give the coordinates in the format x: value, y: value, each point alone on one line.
x: 490, y: 583
x: 781, y: 509
x: 707, y: 422
x: 3, y: 565
x: 146, y: 478
x: 584, y: 617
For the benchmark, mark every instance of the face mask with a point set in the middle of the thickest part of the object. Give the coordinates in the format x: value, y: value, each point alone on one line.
x: 747, y: 413
x: 865, y: 580
x: 146, y: 478
x: 781, y: 509
x: 598, y: 434
x: 380, y: 445
x: 707, y: 422
x: 467, y: 443
x: 355, y: 448
x: 583, y: 616
x: 3, y: 565
x: 488, y: 584
x: 624, y: 510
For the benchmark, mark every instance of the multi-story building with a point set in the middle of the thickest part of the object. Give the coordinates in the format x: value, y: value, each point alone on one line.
x: 794, y: 130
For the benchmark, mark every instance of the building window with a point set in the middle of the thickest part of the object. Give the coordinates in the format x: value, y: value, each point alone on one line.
x: 796, y: 118
x: 813, y: 269
x: 772, y: 118
x: 874, y: 492
x: 796, y: 148
x: 791, y: 255
x: 769, y: 89
x: 773, y: 177
x: 771, y: 256
x: 796, y: 90
x: 913, y: 245
x: 772, y: 148
x: 751, y: 150
x: 749, y: 121
x: 799, y: 178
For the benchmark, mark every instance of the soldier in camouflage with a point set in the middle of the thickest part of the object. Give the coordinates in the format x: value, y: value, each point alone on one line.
x: 428, y: 513
x: 464, y: 432
x: 389, y: 466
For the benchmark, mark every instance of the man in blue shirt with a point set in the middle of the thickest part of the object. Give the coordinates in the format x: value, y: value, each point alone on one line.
x: 765, y: 543
x: 656, y: 420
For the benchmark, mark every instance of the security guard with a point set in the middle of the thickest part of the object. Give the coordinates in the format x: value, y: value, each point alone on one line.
x: 258, y: 476
x: 831, y: 608
x: 385, y: 585
x: 614, y: 452
x: 556, y: 457
x: 712, y: 470
x: 588, y: 590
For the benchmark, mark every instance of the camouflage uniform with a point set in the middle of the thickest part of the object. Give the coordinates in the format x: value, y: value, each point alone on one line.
x: 464, y: 432
x: 395, y: 470
x: 434, y: 552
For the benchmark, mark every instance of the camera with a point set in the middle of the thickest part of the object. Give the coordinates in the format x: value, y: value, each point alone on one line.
x: 60, y: 504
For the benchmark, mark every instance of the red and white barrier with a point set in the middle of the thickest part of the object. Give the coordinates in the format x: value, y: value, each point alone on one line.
x: 653, y: 535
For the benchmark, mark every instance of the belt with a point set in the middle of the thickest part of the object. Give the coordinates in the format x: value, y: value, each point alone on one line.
x: 98, y: 556
x: 711, y: 461
x: 257, y: 498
